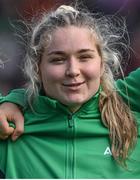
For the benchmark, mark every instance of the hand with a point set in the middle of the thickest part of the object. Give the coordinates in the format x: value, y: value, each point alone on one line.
x: 10, y: 112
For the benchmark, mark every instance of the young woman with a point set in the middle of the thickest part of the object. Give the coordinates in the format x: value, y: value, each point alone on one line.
x: 79, y: 122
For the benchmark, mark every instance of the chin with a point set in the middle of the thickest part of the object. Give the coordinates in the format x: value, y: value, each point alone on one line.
x: 76, y: 101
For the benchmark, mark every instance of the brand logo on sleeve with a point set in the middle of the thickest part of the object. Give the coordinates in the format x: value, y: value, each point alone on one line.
x: 108, y: 151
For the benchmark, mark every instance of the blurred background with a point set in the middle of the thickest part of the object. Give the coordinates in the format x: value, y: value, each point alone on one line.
x: 12, y: 49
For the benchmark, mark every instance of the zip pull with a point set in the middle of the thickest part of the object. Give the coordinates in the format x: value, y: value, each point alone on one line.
x: 70, y: 120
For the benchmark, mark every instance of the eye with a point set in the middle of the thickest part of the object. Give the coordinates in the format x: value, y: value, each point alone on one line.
x: 85, y: 57
x: 57, y: 60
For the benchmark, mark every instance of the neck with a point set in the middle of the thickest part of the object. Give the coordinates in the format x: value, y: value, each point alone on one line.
x: 75, y: 108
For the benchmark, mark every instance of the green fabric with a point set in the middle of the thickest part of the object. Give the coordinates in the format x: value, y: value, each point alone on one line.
x: 58, y: 144
x: 17, y: 96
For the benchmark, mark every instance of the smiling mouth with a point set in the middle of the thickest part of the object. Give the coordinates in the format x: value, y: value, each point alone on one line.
x: 74, y: 84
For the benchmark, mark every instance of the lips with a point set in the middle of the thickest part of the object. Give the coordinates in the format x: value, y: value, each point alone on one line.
x: 73, y: 85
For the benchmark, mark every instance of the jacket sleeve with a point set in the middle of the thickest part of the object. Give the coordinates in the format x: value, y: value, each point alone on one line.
x: 129, y: 89
x: 3, y: 157
x: 17, y: 96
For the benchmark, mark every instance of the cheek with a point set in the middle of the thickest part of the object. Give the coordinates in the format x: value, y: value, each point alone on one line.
x: 51, y: 74
x: 93, y: 71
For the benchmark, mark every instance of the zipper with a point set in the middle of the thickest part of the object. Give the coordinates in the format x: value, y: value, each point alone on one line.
x: 70, y: 162
x: 70, y: 121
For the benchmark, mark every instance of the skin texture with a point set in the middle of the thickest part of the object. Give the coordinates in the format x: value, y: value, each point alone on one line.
x: 71, y: 67
x: 10, y: 112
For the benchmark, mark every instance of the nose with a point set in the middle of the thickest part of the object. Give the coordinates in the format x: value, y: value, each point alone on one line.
x: 73, y: 68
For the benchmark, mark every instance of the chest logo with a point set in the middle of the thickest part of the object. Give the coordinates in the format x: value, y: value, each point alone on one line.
x: 108, y: 151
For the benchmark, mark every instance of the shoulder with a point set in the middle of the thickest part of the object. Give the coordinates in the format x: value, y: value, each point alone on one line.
x: 129, y: 89
x: 17, y: 96
x: 132, y: 78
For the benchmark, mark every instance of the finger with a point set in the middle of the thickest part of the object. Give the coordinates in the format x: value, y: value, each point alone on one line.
x: 3, y: 137
x: 4, y: 126
x: 19, y: 123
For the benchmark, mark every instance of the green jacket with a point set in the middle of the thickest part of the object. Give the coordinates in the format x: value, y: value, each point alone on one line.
x: 58, y: 144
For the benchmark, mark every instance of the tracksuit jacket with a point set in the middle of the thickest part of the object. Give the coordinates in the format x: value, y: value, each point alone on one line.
x: 59, y: 144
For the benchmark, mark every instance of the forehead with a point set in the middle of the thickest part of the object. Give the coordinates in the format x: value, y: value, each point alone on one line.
x: 72, y: 38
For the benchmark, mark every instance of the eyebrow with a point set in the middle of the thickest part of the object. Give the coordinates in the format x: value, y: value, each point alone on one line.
x: 86, y: 50
x: 63, y: 53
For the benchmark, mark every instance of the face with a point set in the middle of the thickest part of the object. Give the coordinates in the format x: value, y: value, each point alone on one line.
x: 71, y: 67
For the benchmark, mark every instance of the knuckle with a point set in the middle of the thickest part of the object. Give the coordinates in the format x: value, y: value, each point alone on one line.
x: 18, y: 117
x: 1, y: 116
x: 4, y: 131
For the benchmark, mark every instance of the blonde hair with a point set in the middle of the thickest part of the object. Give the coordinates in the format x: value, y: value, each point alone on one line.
x: 116, y: 115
